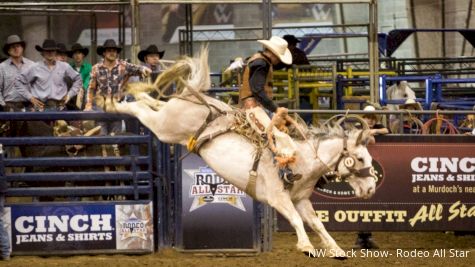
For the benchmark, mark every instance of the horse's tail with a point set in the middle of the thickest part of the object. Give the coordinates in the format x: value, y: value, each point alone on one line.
x: 194, y: 72
x: 186, y: 72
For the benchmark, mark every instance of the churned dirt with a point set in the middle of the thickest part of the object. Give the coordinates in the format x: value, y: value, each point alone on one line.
x: 284, y: 254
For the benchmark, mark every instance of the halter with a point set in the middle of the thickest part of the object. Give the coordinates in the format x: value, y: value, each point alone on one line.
x: 349, y: 161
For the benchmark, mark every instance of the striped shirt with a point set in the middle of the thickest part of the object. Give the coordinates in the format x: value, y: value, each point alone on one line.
x: 8, y: 74
x: 110, y: 83
x: 48, y: 84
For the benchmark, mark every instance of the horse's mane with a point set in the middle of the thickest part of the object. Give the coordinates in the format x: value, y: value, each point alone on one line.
x: 328, y: 131
x: 186, y: 73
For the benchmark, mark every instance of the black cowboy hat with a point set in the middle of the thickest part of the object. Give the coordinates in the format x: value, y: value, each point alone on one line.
x: 151, y: 49
x: 48, y: 45
x: 78, y: 47
x: 291, y: 39
x: 109, y: 43
x: 62, y: 48
x: 11, y: 40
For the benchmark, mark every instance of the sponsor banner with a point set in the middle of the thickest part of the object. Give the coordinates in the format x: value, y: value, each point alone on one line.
x: 85, y: 227
x: 214, y: 213
x: 134, y: 224
x: 424, y: 184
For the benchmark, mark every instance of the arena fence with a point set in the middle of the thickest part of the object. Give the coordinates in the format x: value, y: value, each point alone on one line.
x: 119, y: 194
x: 97, y: 201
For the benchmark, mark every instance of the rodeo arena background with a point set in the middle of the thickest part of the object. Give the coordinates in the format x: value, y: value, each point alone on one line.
x: 237, y: 133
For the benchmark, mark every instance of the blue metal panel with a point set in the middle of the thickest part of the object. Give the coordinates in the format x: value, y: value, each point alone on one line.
x: 77, y: 191
x: 78, y: 176
x: 78, y: 140
x: 74, y: 161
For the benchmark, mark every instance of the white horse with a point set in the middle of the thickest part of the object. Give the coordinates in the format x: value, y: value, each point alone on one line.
x: 398, y: 91
x: 231, y: 155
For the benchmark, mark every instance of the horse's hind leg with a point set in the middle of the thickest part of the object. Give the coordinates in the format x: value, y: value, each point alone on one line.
x: 282, y: 203
x: 137, y: 109
x: 151, y: 102
x: 306, y: 211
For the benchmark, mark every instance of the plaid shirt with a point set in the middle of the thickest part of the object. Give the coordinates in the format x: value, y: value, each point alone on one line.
x: 110, y: 83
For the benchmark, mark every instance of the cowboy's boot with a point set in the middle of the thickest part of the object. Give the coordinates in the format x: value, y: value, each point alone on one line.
x: 365, y: 241
x: 289, y: 177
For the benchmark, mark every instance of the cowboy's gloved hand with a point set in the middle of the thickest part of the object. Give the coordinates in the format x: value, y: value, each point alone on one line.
x: 282, y: 112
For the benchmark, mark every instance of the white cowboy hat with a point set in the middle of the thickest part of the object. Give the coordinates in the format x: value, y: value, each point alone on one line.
x: 411, y: 104
x: 371, y: 108
x: 278, y: 47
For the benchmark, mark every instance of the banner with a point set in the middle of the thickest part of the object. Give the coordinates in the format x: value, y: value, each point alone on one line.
x: 425, y: 183
x: 66, y: 227
x: 214, y: 213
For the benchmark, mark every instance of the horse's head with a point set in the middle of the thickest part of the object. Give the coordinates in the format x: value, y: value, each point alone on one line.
x: 346, y: 156
x: 355, y: 163
x: 400, y: 90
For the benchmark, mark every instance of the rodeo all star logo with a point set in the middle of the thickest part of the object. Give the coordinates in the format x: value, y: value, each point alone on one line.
x: 133, y: 227
x: 208, y: 187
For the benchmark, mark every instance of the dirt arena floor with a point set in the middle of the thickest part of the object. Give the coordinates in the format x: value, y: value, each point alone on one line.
x: 284, y: 254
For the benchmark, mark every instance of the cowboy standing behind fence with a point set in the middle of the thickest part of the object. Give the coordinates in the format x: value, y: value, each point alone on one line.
x: 78, y: 53
x: 48, y: 80
x: 108, y: 79
x: 150, y: 58
x: 10, y: 69
x: 255, y: 95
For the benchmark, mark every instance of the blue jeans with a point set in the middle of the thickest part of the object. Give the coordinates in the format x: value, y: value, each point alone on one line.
x: 4, y: 238
x: 108, y: 127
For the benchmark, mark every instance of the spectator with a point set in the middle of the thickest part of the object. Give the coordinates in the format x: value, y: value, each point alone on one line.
x: 411, y: 124
x: 47, y: 77
x: 62, y: 53
x: 298, y: 56
x: 374, y: 121
x: 151, y: 57
x: 364, y: 239
x: 108, y: 80
x: 78, y: 53
x: 10, y: 69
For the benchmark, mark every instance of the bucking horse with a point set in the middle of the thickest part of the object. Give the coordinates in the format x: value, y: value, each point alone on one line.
x: 207, y: 126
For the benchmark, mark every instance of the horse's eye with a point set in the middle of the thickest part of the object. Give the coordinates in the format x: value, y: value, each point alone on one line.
x: 405, y: 95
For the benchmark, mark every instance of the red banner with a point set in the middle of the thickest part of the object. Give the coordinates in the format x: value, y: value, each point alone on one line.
x: 425, y: 183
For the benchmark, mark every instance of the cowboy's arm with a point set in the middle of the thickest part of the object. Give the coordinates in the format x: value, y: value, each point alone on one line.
x: 91, y: 89
x: 2, y: 87
x: 257, y: 82
x: 86, y: 77
x: 132, y: 69
x: 77, y: 82
x: 22, y: 81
